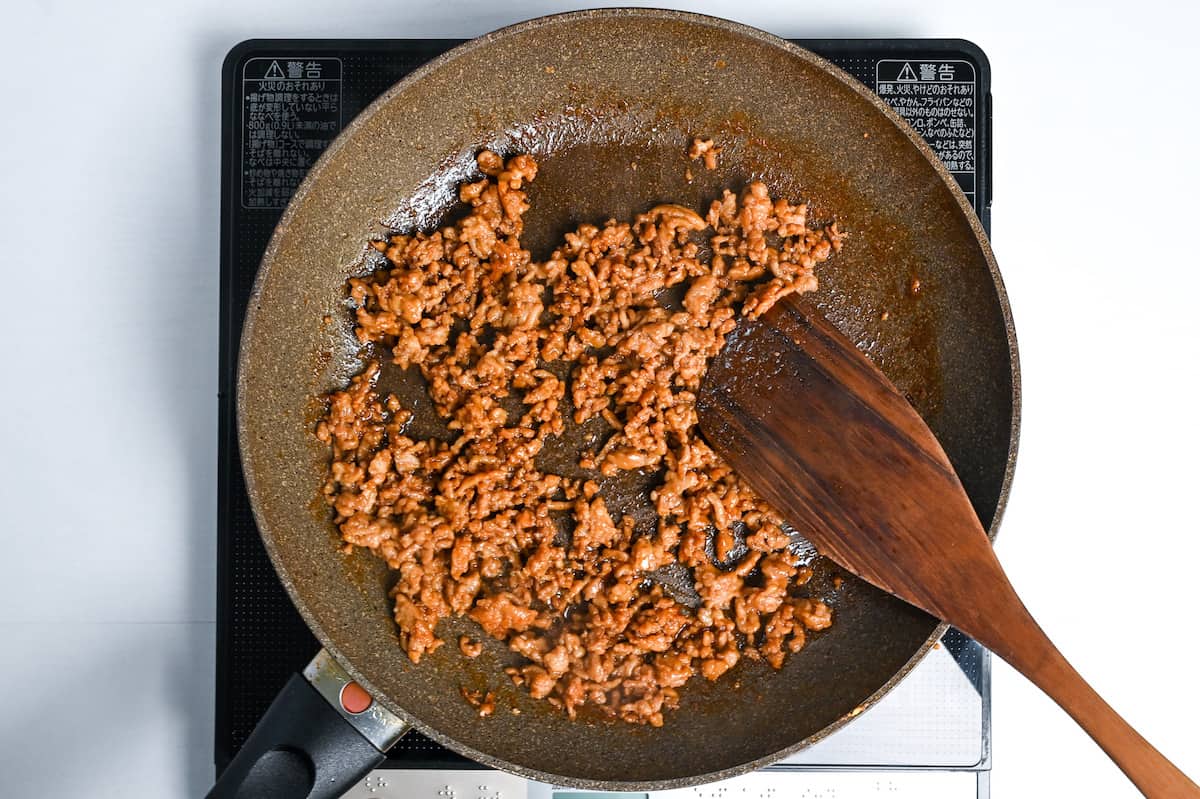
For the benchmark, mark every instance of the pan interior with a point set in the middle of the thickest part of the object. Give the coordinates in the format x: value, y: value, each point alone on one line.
x: 592, y: 95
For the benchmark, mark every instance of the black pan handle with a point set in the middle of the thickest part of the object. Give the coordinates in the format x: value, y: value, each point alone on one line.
x: 321, y: 735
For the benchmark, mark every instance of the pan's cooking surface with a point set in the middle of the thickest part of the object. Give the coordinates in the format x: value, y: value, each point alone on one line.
x: 949, y: 346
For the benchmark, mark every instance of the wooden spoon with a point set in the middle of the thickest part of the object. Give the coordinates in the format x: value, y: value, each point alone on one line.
x: 820, y: 433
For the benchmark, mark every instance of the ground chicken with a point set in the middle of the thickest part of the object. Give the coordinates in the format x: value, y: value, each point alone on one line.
x: 704, y: 148
x: 513, y: 351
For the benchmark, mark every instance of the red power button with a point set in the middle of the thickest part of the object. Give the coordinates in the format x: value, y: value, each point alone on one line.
x: 354, y: 699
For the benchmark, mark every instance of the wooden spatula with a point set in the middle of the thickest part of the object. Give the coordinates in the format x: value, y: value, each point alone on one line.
x: 821, y: 434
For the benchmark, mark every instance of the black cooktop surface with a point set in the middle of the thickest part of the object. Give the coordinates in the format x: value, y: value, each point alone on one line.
x: 283, y: 102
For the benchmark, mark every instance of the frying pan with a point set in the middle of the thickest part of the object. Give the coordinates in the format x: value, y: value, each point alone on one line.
x: 607, y: 101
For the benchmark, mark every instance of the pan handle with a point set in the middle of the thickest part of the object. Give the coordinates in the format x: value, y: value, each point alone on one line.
x: 321, y: 735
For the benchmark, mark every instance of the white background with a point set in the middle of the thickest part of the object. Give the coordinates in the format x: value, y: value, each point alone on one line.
x: 109, y: 151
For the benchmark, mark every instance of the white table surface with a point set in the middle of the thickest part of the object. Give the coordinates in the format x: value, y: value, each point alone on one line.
x: 108, y: 240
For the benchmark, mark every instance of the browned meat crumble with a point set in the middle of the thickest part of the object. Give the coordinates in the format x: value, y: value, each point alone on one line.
x: 540, y: 560
x: 484, y: 703
x: 704, y: 148
x: 471, y: 649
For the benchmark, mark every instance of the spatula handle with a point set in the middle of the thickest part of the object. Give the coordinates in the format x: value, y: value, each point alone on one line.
x: 1013, y: 634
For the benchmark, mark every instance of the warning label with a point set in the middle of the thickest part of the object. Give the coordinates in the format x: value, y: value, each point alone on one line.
x: 291, y: 110
x: 938, y: 99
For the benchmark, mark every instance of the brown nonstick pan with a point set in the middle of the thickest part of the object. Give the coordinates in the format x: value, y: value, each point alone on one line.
x: 591, y: 94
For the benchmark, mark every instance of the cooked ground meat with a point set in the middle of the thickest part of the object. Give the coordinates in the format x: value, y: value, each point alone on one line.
x: 540, y: 560
x: 484, y: 703
x: 704, y: 148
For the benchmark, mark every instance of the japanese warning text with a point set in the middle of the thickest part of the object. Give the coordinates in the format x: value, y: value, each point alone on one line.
x: 292, y: 110
x: 938, y: 99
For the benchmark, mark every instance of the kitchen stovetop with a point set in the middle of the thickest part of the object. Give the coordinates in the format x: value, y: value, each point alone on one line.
x: 283, y: 101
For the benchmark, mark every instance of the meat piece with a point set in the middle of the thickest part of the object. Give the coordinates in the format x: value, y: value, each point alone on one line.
x: 539, y: 681
x: 717, y: 588
x: 815, y: 614
x: 673, y: 670
x: 416, y: 626
x: 486, y: 703
x: 498, y: 615
x: 701, y: 295
x: 704, y: 148
x: 654, y: 629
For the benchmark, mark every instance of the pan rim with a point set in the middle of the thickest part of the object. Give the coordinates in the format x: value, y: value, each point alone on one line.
x: 731, y: 27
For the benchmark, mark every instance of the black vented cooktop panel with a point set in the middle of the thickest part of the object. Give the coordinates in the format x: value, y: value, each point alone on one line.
x: 283, y: 101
